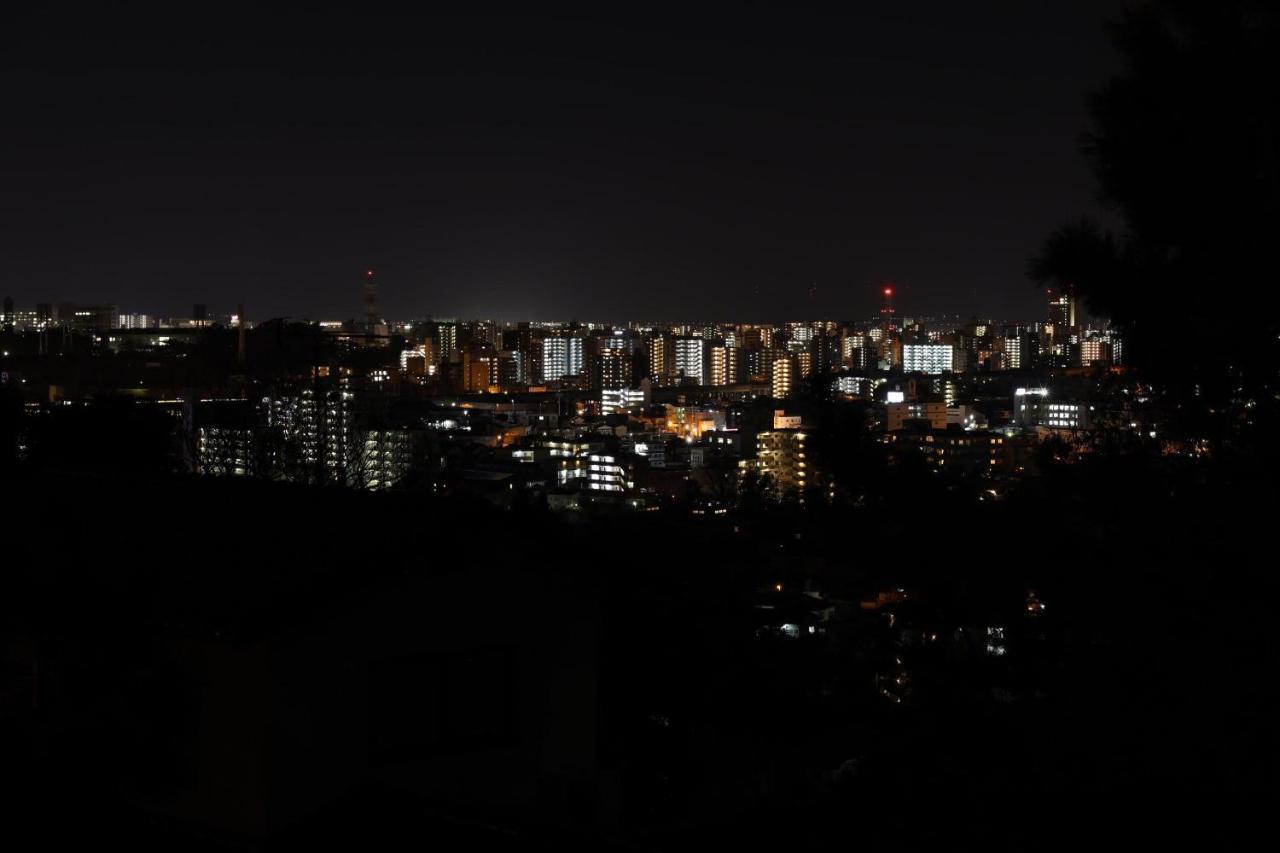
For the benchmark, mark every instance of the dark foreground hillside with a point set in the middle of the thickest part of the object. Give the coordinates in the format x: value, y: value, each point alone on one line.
x: 225, y: 664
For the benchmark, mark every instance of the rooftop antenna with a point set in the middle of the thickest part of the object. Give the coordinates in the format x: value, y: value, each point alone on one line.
x: 240, y: 335
x: 886, y: 311
x: 370, y: 302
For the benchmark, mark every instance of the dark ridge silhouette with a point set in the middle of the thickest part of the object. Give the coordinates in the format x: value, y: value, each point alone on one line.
x: 1145, y: 684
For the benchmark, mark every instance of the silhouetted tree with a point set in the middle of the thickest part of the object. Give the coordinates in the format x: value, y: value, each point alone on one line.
x: 10, y: 426
x: 1185, y: 149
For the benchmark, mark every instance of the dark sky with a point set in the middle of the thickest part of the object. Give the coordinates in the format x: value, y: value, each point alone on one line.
x: 635, y: 163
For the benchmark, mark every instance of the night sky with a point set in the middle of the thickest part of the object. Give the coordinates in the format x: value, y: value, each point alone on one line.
x: 646, y: 164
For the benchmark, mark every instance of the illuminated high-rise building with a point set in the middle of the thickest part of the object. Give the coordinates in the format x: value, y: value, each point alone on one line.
x: 784, y: 376
x: 926, y: 358
x: 804, y: 363
x: 1020, y: 350
x: 1112, y: 337
x: 724, y: 365
x: 798, y: 336
x: 1060, y: 333
x: 445, y: 335
x: 1062, y: 311
x: 523, y: 340
x: 506, y: 369
x: 783, y: 460
x: 1095, y: 351
x: 478, y: 369
x: 561, y: 357
x: 661, y: 357
x: 824, y: 349
x: 612, y: 370
x: 689, y: 359
x: 849, y: 343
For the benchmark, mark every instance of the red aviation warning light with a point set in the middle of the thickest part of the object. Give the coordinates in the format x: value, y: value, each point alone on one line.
x: 886, y: 312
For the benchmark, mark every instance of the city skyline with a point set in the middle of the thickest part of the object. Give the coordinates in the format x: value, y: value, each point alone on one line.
x: 225, y: 314
x: 639, y: 427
